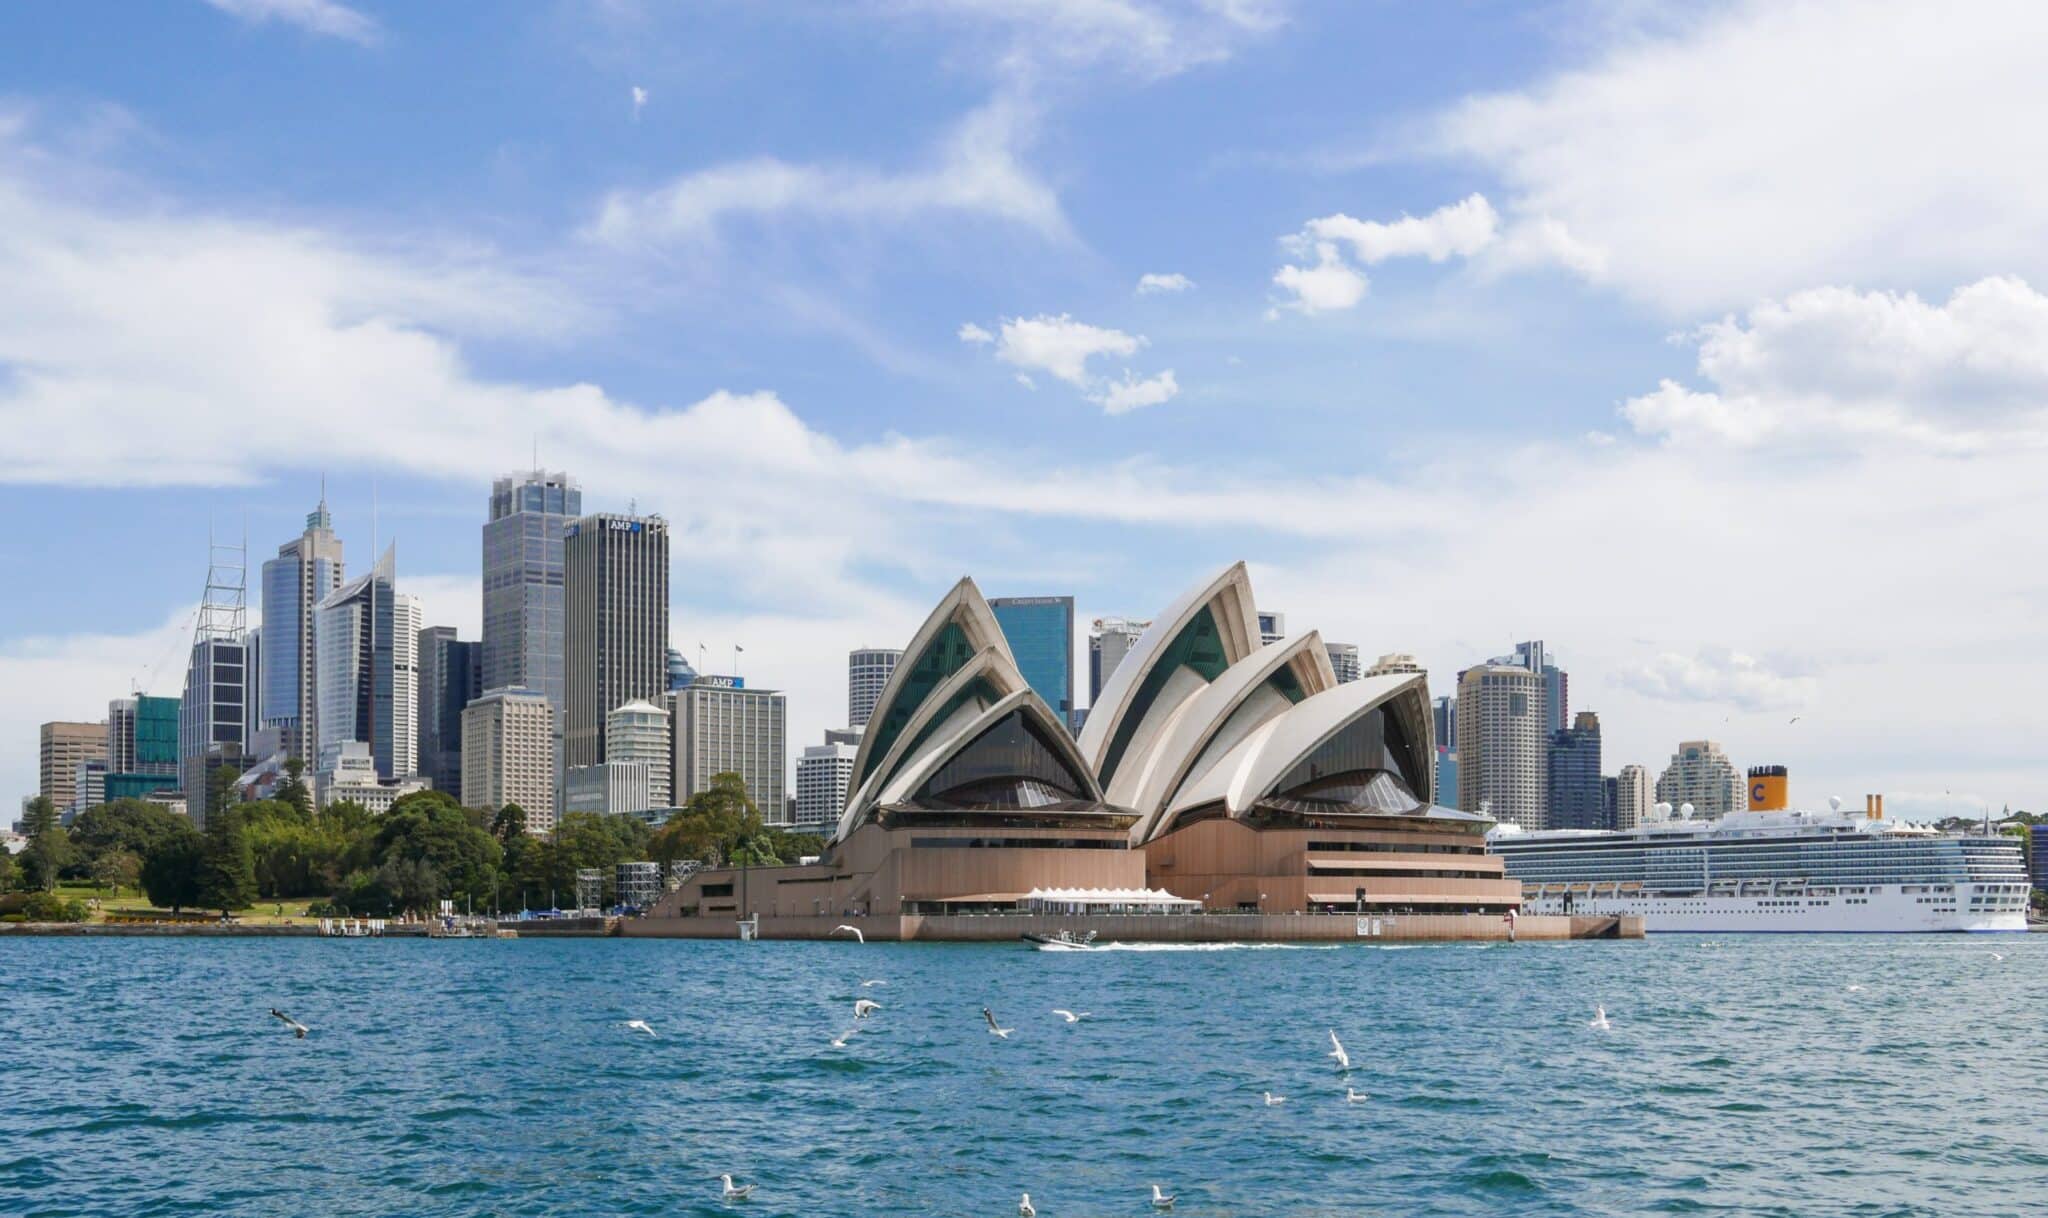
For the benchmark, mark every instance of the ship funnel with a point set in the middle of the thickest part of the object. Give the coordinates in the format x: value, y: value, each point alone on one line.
x: 1767, y: 785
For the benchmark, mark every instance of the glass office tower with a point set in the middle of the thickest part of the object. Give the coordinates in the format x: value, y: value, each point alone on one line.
x: 1040, y: 631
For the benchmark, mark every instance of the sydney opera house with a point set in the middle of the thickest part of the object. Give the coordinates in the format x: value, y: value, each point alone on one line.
x: 1214, y: 776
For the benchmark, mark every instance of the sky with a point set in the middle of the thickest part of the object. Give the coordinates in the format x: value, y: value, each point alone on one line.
x: 1706, y: 342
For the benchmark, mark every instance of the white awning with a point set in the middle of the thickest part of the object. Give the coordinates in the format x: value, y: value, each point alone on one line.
x: 1072, y: 898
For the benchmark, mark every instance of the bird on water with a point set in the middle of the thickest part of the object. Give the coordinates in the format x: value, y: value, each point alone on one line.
x: 298, y: 1029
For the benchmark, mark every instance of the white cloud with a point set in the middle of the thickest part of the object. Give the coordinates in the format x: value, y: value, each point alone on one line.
x: 1764, y: 147
x: 1143, y: 38
x: 971, y: 333
x: 1331, y: 284
x: 315, y: 16
x: 1832, y: 366
x: 1130, y: 393
x: 974, y: 172
x: 1717, y: 675
x: 639, y: 101
x: 1061, y: 346
x: 1462, y: 229
x: 1149, y: 284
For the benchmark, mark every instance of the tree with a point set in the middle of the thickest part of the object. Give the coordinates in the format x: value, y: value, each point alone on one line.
x: 227, y: 866
x: 49, y: 847
x: 712, y: 825
x: 293, y: 789
x: 117, y: 869
x: 510, y: 822
x: 125, y: 826
x: 8, y: 870
x: 170, y: 872
x: 221, y: 791
x: 430, y: 827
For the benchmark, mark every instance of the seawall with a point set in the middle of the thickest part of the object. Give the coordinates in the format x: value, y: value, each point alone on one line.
x: 1156, y: 928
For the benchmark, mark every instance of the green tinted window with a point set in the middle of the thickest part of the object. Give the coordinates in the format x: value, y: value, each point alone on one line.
x: 944, y: 657
x: 1199, y: 646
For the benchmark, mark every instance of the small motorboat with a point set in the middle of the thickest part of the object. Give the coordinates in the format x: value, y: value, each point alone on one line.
x: 1063, y: 941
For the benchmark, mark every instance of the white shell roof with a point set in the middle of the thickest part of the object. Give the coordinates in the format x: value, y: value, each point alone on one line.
x: 940, y: 749
x: 963, y: 603
x: 989, y: 664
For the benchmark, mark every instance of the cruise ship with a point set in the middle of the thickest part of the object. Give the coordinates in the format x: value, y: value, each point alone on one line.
x: 1773, y: 869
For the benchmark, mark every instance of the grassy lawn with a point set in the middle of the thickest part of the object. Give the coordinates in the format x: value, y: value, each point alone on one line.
x: 129, y: 899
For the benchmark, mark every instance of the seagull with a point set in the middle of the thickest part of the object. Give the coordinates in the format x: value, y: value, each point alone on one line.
x: 1161, y: 1200
x: 1274, y: 1100
x: 1337, y: 1051
x: 877, y: 981
x: 1793, y: 719
x: 736, y: 1192
x: 994, y: 1030
x: 1994, y: 956
x: 840, y: 1042
x: 1855, y: 989
x: 851, y: 930
x: 1025, y: 1209
x: 1354, y: 1096
x: 1599, y: 1020
x: 1071, y: 1016
x: 639, y: 1025
x: 298, y: 1029
x: 864, y: 1007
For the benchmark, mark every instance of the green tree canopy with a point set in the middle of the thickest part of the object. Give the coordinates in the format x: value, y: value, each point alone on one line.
x: 510, y: 822
x: 715, y: 822
x: 39, y: 815
x: 131, y: 826
x: 227, y: 865
x: 430, y: 827
x: 117, y: 869
x: 293, y: 789
x: 49, y: 846
x: 170, y: 871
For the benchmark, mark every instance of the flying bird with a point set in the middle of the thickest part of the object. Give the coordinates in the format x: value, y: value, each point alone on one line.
x: 639, y: 1025
x: 298, y: 1029
x: 851, y: 930
x: 1025, y: 1209
x: 1161, y: 1200
x: 1353, y: 1095
x: 994, y: 1030
x: 736, y: 1192
x: 1273, y: 1101
x: 877, y: 981
x: 1599, y: 1021
x: 864, y: 1007
x: 1855, y: 988
x: 1071, y: 1016
x: 1795, y: 719
x: 1337, y: 1051
x: 1994, y: 956
x: 840, y: 1042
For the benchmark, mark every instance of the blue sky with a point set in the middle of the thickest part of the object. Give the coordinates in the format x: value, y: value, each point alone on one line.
x: 1682, y: 337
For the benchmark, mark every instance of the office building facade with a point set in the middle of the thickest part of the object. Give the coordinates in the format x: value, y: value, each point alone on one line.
x: 142, y: 736
x: 1344, y: 661
x: 613, y: 787
x: 615, y: 639
x: 366, y: 649
x: 1444, y: 719
x: 525, y: 595
x: 1040, y: 633
x: 1502, y: 744
x: 1396, y: 664
x: 450, y: 677
x: 508, y: 755
x: 722, y: 727
x: 640, y: 732
x: 1110, y: 639
x: 212, y: 717
x: 823, y: 774
x: 1577, y: 794
x: 1700, y: 774
x: 1631, y: 796
x: 61, y: 746
x: 306, y: 571
x: 1272, y: 627
x: 867, y: 673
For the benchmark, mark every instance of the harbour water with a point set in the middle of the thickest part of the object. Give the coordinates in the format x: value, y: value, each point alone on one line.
x: 1741, y: 1076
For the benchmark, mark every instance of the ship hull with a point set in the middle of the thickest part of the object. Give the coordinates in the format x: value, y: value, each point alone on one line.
x: 1881, y: 910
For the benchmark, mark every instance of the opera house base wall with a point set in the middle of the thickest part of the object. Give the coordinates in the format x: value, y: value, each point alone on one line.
x: 1154, y: 928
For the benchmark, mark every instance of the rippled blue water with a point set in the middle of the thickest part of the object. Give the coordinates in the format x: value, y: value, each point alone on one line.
x: 1741, y: 1076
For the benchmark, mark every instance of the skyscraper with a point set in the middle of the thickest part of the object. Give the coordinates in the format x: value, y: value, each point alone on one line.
x: 142, y: 736
x: 305, y: 572
x: 366, y: 646
x: 1444, y: 713
x: 62, y: 746
x: 450, y: 678
x: 1501, y: 744
x: 1272, y: 627
x: 1110, y: 639
x: 639, y: 732
x: 1700, y: 774
x: 1394, y: 664
x: 1040, y: 632
x: 1344, y: 659
x: 1631, y: 797
x: 508, y: 755
x: 721, y: 727
x: 615, y: 633
x: 213, y: 714
x: 1535, y: 657
x: 867, y: 671
x: 679, y: 671
x: 823, y: 774
x: 1577, y: 797
x: 525, y: 610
